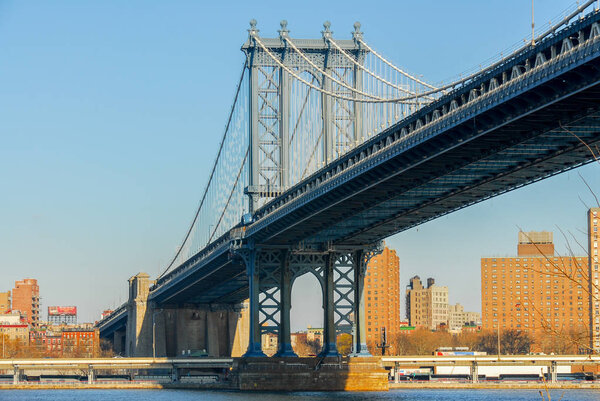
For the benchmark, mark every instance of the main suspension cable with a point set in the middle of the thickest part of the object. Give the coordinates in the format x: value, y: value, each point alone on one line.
x: 380, y: 57
x: 326, y: 74
x: 212, y: 173
x: 371, y: 73
x: 329, y: 93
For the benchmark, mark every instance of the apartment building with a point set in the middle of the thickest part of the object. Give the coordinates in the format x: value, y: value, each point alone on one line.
x: 537, y: 292
x: 458, y: 318
x: 26, y: 299
x: 426, y: 306
x: 593, y: 217
x: 382, y: 303
x: 5, y: 304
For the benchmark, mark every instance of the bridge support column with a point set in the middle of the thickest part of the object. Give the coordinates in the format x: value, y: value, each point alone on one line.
x: 210, y: 328
x: 360, y: 336
x: 396, y: 373
x: 91, y: 376
x: 174, y: 374
x: 119, y: 342
x: 16, y: 375
x: 285, y: 342
x: 553, y: 372
x: 329, y: 334
x: 218, y: 336
x: 212, y: 333
x: 474, y: 372
x: 159, y: 335
x: 254, y: 342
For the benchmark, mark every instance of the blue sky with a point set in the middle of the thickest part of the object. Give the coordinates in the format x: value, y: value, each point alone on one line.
x: 111, y: 113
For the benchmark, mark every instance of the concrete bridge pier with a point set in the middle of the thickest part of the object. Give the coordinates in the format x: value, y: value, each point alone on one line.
x: 138, y: 340
x: 174, y: 330
x: 91, y: 375
x: 118, y: 342
x: 474, y: 372
x: 553, y: 370
x: 196, y: 328
x: 309, y: 374
x: 16, y: 375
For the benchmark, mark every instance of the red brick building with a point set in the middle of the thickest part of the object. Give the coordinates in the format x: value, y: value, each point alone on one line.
x: 538, y: 292
x: 80, y: 341
x: 593, y: 283
x: 26, y: 299
x: 54, y: 343
x: 382, y: 301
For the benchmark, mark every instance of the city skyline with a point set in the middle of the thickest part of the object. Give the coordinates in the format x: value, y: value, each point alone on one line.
x: 110, y: 142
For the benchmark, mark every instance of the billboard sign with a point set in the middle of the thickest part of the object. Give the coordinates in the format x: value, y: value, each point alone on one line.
x: 62, y: 310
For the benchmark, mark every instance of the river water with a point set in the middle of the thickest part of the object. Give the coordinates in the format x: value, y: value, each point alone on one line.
x: 392, y: 395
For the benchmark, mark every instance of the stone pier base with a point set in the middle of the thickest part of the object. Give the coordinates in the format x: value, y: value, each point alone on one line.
x: 310, y: 374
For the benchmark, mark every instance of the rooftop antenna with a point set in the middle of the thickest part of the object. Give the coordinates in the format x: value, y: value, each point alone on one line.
x: 532, y: 26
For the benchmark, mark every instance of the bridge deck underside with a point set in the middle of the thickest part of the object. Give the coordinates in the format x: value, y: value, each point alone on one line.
x: 117, y: 323
x: 503, y: 148
x: 227, y: 285
x: 218, y: 280
x: 505, y: 158
x: 508, y: 169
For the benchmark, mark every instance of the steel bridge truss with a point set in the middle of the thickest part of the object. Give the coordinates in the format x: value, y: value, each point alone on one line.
x: 340, y: 273
x: 294, y: 129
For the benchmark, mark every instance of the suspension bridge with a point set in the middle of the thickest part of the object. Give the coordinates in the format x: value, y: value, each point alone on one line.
x: 328, y: 149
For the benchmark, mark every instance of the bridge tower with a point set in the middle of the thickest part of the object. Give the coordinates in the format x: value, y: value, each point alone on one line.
x: 292, y: 124
x: 280, y: 136
x: 138, y: 332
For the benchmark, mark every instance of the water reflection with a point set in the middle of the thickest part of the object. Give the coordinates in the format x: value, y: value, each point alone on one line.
x: 393, y: 395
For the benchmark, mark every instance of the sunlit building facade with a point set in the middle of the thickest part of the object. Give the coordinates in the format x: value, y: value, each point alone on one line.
x: 538, y: 292
x: 26, y: 299
x: 5, y: 304
x: 382, y: 302
x: 594, y: 289
x: 427, y: 307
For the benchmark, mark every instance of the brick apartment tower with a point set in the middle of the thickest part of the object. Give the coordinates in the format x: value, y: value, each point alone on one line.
x: 593, y: 223
x: 26, y: 299
x: 382, y: 304
x: 4, y: 302
x: 537, y: 292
